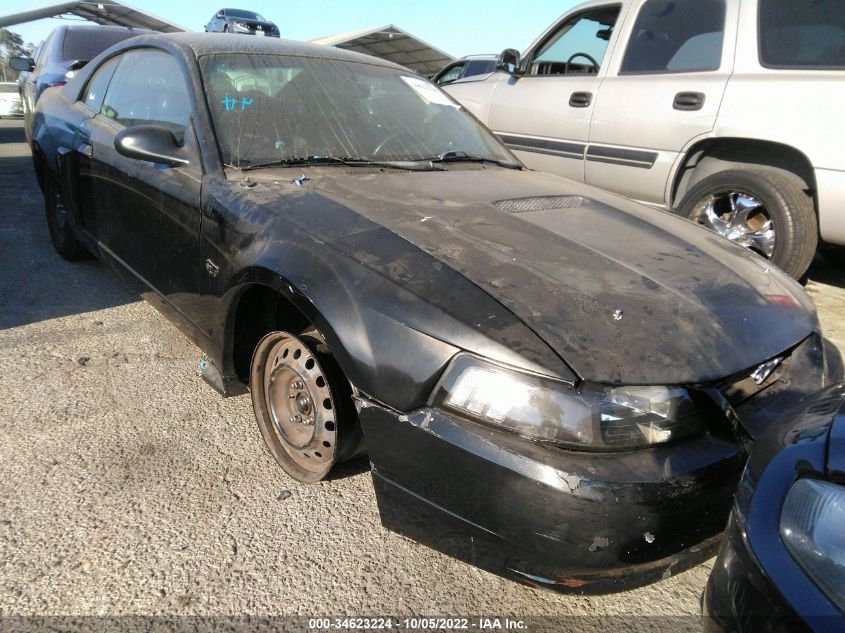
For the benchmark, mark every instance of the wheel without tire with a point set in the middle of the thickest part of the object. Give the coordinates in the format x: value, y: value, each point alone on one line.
x: 58, y: 222
x: 303, y: 405
x: 765, y: 210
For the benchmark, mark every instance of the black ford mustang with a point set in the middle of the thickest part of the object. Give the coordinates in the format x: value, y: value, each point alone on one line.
x: 553, y: 383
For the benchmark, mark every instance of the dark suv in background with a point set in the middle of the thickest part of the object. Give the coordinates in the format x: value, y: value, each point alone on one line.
x: 66, y: 49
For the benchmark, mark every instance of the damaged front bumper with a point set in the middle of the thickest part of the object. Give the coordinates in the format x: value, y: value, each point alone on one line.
x: 576, y: 521
x: 564, y: 520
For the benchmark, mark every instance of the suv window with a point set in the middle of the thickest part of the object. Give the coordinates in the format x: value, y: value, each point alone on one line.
x: 479, y: 67
x: 578, y: 46
x: 95, y: 90
x: 802, y: 34
x: 676, y: 36
x: 451, y: 75
x: 148, y: 88
x: 87, y: 43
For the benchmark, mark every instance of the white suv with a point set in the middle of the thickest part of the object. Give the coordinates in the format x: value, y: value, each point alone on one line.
x: 728, y: 112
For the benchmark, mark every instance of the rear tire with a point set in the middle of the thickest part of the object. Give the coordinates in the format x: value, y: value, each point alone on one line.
x: 303, y: 405
x: 763, y: 209
x: 58, y: 222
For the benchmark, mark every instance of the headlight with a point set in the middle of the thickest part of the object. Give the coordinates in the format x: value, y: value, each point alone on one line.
x: 811, y: 526
x: 611, y: 418
x: 240, y: 27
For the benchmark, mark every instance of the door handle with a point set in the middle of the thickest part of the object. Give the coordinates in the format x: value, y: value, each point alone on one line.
x: 86, y: 150
x: 581, y: 99
x: 689, y: 101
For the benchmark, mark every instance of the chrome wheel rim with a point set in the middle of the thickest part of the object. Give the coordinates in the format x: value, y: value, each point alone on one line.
x: 300, y: 405
x: 741, y: 218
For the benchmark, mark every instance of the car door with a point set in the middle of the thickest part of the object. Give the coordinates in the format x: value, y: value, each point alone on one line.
x: 76, y: 166
x: 544, y: 114
x: 661, y: 93
x: 147, y: 215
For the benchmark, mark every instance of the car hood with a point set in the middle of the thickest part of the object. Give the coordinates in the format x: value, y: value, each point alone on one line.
x: 625, y: 294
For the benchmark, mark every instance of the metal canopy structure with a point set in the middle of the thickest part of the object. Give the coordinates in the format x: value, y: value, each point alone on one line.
x: 392, y: 44
x: 103, y: 12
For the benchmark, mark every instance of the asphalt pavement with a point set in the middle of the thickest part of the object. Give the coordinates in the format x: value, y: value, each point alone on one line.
x: 129, y: 487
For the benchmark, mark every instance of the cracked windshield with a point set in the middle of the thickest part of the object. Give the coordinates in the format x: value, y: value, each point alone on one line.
x: 274, y: 109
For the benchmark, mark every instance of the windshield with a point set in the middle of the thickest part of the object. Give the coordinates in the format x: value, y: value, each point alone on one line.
x: 245, y: 15
x: 270, y: 108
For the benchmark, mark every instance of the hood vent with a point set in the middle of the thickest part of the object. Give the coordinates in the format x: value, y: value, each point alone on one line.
x: 541, y: 203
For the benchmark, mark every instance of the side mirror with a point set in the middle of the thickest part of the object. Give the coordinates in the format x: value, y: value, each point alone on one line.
x: 153, y: 143
x: 220, y: 14
x: 508, y: 61
x: 22, y: 64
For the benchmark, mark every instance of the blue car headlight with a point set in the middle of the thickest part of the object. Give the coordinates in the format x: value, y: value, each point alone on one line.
x: 588, y: 418
x: 240, y: 27
x: 812, y: 526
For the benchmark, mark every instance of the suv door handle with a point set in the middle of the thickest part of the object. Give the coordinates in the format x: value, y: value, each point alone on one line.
x: 581, y: 99
x: 689, y: 101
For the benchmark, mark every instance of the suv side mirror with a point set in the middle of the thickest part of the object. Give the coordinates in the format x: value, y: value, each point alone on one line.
x: 508, y: 61
x: 22, y: 64
x: 153, y: 143
x: 220, y: 14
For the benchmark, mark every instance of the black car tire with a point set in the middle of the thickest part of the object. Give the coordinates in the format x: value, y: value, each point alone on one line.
x: 62, y: 238
x: 225, y: 28
x: 784, y: 201
x: 297, y: 377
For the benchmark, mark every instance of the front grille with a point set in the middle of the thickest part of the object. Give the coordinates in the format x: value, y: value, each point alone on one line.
x: 541, y: 203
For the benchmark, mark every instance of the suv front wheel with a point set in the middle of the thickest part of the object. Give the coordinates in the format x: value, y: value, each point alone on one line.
x: 766, y: 210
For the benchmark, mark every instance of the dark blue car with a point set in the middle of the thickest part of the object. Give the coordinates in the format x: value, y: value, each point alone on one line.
x: 67, y: 49
x: 782, y: 562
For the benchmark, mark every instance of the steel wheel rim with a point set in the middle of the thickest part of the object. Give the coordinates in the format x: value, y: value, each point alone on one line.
x: 300, y: 405
x: 740, y: 217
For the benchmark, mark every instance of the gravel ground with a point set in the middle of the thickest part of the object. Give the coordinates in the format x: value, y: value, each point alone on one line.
x: 128, y: 487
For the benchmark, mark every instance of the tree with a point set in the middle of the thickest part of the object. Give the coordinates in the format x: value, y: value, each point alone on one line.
x: 11, y: 45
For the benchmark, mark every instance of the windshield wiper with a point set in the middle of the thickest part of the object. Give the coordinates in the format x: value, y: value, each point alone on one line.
x: 349, y: 161
x: 458, y: 156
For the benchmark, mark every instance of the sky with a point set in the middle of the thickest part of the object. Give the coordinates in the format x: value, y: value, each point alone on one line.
x: 459, y: 27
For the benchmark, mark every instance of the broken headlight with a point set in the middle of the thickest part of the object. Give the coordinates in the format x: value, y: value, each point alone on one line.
x: 587, y: 418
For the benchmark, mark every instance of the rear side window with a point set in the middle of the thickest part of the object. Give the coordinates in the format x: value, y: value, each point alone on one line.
x: 148, y: 88
x: 97, y: 85
x: 676, y: 36
x: 802, y: 34
x: 451, y: 75
x: 89, y: 42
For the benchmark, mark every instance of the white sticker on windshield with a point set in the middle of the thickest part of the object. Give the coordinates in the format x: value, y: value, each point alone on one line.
x: 429, y: 92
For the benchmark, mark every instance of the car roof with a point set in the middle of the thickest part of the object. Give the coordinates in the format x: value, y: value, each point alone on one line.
x: 101, y: 27
x: 207, y: 43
